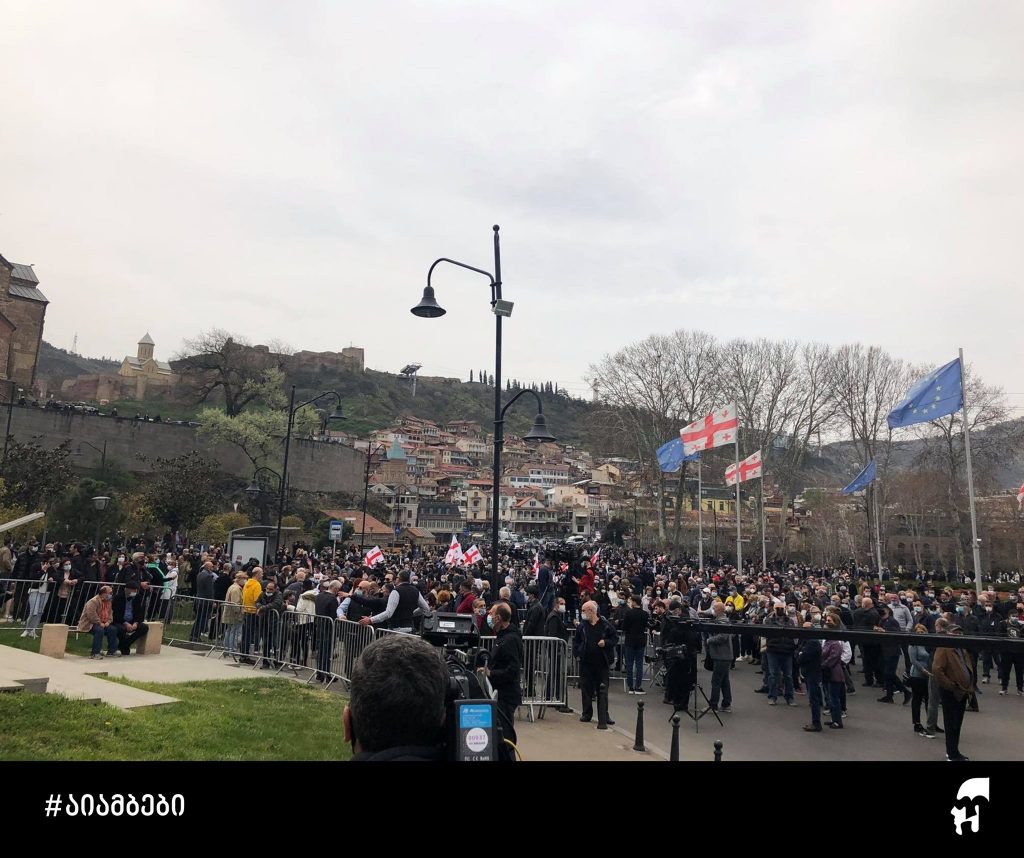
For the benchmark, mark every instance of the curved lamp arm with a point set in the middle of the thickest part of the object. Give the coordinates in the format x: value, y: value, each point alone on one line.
x: 532, y: 392
x: 268, y: 470
x: 495, y: 284
x: 316, y: 398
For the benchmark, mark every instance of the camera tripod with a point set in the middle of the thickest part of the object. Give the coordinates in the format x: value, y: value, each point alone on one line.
x: 696, y: 714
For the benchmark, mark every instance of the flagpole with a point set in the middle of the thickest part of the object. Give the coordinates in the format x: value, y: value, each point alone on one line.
x: 700, y: 519
x: 878, y: 529
x: 764, y: 550
x: 739, y: 545
x: 970, y: 481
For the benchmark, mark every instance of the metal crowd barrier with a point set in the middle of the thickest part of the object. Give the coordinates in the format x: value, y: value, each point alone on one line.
x: 31, y: 603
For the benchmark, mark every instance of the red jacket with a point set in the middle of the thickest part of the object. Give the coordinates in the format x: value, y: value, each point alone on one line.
x: 466, y: 605
x: 587, y: 582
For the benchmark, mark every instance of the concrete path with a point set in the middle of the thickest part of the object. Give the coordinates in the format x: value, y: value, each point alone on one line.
x: 561, y: 737
x: 80, y: 677
x: 69, y: 677
x: 874, y: 731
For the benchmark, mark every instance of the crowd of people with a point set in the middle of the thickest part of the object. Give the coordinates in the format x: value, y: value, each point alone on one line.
x: 610, y: 606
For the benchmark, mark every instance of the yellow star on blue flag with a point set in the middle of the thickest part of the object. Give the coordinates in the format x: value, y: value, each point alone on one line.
x: 937, y: 394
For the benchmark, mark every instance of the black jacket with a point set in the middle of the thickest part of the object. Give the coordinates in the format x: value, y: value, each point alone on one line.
x: 119, y: 603
x: 809, y: 657
x: 221, y: 587
x: 533, y: 626
x: 204, y: 584
x: 554, y: 626
x: 585, y: 646
x: 780, y: 645
x: 634, y: 627
x: 327, y: 605
x: 505, y: 665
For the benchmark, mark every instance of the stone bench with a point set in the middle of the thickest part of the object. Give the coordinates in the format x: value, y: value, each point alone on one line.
x: 54, y: 640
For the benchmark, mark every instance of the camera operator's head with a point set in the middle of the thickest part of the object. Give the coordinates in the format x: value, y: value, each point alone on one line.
x: 499, y: 617
x: 397, y: 696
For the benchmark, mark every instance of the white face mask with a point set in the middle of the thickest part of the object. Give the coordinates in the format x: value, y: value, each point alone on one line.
x: 67, y: 567
x: 561, y: 609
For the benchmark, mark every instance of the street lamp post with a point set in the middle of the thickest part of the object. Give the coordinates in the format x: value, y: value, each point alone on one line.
x: 253, y: 490
x: 428, y: 308
x: 102, y: 452
x: 100, y: 504
x: 10, y: 413
x: 371, y: 451
x: 292, y: 409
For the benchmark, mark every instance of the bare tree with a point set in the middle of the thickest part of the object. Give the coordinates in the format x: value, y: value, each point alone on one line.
x: 944, y: 448
x: 868, y: 382
x: 215, y: 361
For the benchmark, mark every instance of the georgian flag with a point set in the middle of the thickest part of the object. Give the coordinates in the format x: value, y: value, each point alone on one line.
x: 594, y: 559
x: 454, y: 555
x: 749, y: 469
x: 716, y: 430
x: 374, y: 556
x: 536, y: 564
x: 472, y: 555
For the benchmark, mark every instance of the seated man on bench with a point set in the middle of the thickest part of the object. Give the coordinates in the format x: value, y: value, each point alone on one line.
x: 129, y: 611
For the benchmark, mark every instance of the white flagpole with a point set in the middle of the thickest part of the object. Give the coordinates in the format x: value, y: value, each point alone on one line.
x: 764, y: 550
x: 739, y: 545
x: 878, y: 529
x: 700, y: 519
x: 970, y: 482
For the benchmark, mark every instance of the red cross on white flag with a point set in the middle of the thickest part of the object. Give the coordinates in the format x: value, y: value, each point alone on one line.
x: 454, y: 555
x: 472, y: 555
x: 716, y: 430
x: 750, y: 469
x: 374, y: 556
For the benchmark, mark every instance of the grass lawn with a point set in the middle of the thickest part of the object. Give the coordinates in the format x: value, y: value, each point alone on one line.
x: 235, y: 719
x: 78, y: 644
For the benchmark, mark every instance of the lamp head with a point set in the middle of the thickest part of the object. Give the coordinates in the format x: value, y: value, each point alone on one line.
x: 338, y: 413
x: 100, y: 503
x: 539, y: 431
x: 253, y: 490
x: 428, y: 308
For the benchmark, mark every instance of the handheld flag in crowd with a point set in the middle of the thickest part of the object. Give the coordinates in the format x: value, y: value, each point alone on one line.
x: 594, y: 559
x: 536, y: 564
x: 671, y: 458
x: 937, y: 394
x: 749, y: 469
x: 716, y: 430
x: 472, y: 555
x: 454, y: 555
x: 862, y: 480
x: 374, y: 556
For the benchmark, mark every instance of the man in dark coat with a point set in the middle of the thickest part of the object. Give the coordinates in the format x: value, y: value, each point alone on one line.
x: 128, y: 610
x: 504, y: 669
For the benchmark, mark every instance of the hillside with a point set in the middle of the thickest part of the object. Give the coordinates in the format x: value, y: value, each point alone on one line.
x: 55, y: 364
x: 374, y: 399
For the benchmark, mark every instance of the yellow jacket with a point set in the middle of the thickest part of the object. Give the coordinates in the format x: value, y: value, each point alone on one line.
x: 737, y: 602
x: 250, y: 593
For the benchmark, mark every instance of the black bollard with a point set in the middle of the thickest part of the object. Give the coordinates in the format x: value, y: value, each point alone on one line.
x: 718, y: 751
x: 638, y: 745
x: 673, y: 756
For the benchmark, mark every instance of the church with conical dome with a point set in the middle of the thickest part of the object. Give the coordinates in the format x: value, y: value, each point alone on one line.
x: 145, y: 368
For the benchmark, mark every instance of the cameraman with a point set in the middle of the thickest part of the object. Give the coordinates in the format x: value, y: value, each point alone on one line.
x: 505, y: 667
x: 682, y: 665
x: 396, y: 701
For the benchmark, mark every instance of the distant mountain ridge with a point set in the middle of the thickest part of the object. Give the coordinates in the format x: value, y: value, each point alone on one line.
x: 56, y: 364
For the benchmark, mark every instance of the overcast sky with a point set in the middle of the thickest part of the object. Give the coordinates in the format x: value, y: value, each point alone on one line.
x: 834, y: 171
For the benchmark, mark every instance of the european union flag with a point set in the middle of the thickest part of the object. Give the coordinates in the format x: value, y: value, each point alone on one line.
x: 671, y: 458
x: 862, y: 480
x: 937, y: 394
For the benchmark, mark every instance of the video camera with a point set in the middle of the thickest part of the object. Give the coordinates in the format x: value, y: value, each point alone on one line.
x: 472, y: 732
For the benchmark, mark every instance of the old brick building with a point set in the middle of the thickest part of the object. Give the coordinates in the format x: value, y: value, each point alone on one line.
x: 22, y: 309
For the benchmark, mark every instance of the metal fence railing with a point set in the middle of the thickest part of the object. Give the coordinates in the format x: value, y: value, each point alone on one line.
x: 28, y: 604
